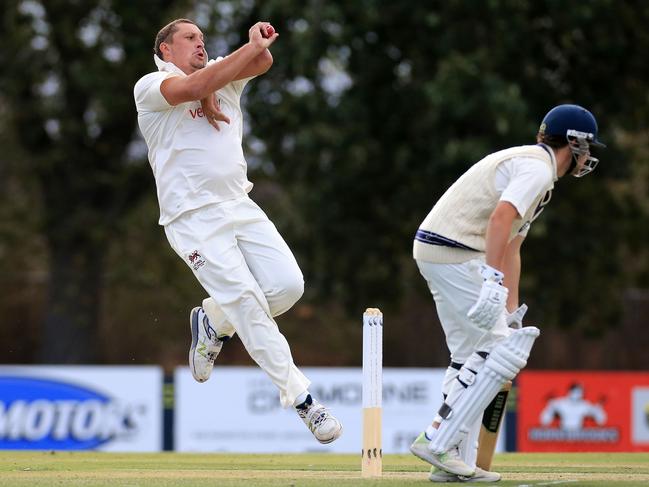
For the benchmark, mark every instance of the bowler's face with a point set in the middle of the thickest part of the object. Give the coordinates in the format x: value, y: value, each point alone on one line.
x: 187, y: 48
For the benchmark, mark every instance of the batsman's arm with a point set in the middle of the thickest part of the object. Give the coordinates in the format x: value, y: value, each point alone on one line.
x: 493, y: 295
x: 498, y: 231
x: 512, y: 271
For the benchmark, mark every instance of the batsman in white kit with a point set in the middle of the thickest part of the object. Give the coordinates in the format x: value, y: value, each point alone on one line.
x: 468, y: 251
x: 190, y: 116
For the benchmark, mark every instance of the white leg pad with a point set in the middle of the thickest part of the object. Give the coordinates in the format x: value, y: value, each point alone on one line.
x: 469, y: 446
x: 464, y: 376
x: 505, y: 361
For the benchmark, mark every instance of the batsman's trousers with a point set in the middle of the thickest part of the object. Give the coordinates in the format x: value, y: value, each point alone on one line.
x: 456, y: 288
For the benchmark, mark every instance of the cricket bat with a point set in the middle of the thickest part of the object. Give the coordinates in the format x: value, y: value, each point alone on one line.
x: 491, y: 421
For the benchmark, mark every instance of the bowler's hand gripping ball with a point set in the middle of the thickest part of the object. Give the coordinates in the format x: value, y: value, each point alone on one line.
x: 270, y: 30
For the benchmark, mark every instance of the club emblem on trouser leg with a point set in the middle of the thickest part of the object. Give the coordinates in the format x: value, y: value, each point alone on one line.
x: 196, y: 260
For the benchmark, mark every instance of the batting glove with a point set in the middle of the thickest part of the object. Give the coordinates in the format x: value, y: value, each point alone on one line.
x: 515, y: 318
x: 492, y: 300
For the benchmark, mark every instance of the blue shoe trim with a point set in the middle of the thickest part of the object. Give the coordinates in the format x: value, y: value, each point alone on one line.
x: 194, y: 328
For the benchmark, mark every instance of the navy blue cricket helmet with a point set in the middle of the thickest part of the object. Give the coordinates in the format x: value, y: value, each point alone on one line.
x: 571, y: 118
x: 579, y: 127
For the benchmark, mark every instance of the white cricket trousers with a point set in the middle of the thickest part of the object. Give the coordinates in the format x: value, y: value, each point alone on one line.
x: 251, y: 275
x: 456, y: 288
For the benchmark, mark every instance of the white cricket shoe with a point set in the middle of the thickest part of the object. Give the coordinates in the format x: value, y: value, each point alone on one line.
x: 480, y: 475
x: 324, y: 426
x: 205, y: 345
x: 449, y: 461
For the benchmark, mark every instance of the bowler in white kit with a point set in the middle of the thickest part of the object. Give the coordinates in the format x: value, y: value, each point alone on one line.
x: 468, y: 251
x: 190, y: 116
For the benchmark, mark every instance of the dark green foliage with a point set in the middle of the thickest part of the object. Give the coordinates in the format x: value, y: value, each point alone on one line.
x: 437, y: 85
x: 371, y: 110
x: 68, y: 73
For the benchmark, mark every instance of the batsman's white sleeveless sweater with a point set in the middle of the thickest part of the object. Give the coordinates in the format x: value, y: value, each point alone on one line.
x: 463, y: 211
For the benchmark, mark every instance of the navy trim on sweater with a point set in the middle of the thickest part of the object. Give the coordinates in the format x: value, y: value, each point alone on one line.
x: 436, y: 239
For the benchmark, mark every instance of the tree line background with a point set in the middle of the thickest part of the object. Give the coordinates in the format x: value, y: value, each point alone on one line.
x: 370, y: 111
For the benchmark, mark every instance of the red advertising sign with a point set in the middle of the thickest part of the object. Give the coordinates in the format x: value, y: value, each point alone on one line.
x: 583, y: 411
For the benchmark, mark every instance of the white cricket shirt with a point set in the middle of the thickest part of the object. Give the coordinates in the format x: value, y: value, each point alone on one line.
x: 520, y: 180
x: 193, y: 163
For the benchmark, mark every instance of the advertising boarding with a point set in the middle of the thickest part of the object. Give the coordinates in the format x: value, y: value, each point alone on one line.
x: 238, y: 410
x: 583, y: 411
x: 81, y: 408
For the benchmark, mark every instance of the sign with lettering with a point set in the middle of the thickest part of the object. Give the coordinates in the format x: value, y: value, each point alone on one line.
x: 583, y: 411
x: 108, y: 408
x: 238, y: 410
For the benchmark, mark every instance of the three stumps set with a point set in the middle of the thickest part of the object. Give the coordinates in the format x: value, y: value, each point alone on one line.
x: 372, y: 453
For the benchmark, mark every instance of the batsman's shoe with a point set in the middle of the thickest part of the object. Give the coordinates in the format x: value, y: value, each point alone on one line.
x: 324, y: 426
x: 448, y: 461
x: 437, y: 475
x: 205, y: 345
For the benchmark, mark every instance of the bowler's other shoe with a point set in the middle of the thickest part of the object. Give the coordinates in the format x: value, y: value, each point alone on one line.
x: 324, y: 426
x: 205, y: 345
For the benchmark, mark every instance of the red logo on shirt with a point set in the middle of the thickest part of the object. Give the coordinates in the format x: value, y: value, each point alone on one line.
x: 198, y: 112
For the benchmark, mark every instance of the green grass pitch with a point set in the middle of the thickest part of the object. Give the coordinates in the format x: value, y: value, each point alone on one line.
x: 40, y: 469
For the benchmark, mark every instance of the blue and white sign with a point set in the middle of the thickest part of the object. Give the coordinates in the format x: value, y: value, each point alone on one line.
x: 238, y: 410
x: 81, y: 408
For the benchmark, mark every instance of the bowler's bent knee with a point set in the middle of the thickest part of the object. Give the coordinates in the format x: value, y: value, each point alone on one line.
x: 285, y: 295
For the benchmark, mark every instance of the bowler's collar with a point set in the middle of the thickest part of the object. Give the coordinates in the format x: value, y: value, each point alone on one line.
x: 166, y: 66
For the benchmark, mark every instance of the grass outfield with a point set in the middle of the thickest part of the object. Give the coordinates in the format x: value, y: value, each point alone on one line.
x: 36, y: 469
